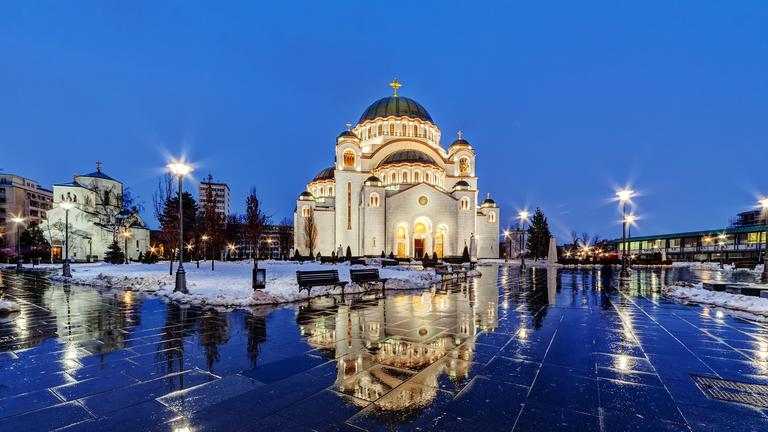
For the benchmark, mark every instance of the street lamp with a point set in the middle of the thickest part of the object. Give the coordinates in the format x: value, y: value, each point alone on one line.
x: 721, y: 242
x: 18, y: 221
x: 624, y: 195
x: 509, y: 245
x: 764, y: 206
x: 180, y: 169
x: 126, y: 235
x: 204, y: 239
x: 67, y: 206
x: 523, y: 216
x: 630, y: 221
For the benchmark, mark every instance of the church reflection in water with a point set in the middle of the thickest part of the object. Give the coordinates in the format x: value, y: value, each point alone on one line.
x: 379, y: 343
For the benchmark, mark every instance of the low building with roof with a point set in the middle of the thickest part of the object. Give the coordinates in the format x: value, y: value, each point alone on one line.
x: 96, y: 219
x: 395, y: 189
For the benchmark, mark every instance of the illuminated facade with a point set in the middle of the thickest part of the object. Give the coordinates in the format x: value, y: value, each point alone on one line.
x: 395, y: 189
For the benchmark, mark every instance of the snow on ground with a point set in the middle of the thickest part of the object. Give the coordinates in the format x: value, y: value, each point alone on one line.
x: 715, y: 266
x: 697, y: 294
x: 8, y: 306
x: 230, y: 283
x: 516, y: 262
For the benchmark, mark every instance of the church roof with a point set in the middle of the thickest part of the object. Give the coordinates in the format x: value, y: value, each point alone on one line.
x: 372, y: 180
x: 325, y: 174
x: 72, y: 184
x: 460, y: 141
x: 347, y: 133
x: 397, y: 106
x: 408, y: 156
x: 98, y: 174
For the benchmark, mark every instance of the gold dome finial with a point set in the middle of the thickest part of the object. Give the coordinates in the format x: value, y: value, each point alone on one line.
x: 461, y: 134
x: 395, y: 85
x: 349, y: 125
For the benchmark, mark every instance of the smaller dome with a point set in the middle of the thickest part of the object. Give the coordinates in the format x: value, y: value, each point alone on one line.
x: 488, y: 202
x: 326, y: 174
x: 347, y: 134
x: 460, y: 142
x: 461, y: 184
x: 408, y: 156
x: 373, y: 181
x: 306, y: 196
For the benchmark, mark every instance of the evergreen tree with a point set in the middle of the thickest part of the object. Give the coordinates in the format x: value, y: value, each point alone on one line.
x: 465, y: 254
x: 537, y: 242
x: 33, y: 241
x: 391, y: 255
x: 349, y: 254
x: 382, y: 254
x: 213, y: 225
x: 255, y: 221
x: 296, y: 255
x: 114, y: 254
x: 317, y: 257
x: 434, y: 256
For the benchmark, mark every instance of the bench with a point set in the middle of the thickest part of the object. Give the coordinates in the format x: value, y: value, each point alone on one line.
x: 327, y: 260
x: 389, y: 263
x: 715, y: 286
x: 428, y: 263
x: 313, y: 278
x: 357, y: 261
x: 745, y: 265
x: 363, y: 276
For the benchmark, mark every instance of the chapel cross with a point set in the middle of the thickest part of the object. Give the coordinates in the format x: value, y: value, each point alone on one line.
x: 460, y: 134
x: 395, y: 85
x: 98, y: 166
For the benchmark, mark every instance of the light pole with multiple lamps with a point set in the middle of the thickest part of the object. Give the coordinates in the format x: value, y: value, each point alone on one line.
x: 764, y: 207
x: 180, y: 169
x: 523, y: 216
x: 126, y: 235
x: 65, y: 270
x: 624, y: 195
x: 18, y: 221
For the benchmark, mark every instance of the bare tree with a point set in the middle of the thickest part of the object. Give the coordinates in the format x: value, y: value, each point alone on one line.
x: 584, y: 238
x: 255, y: 220
x: 284, y: 236
x: 574, y: 238
x: 160, y: 200
x: 310, y: 232
x: 213, y: 223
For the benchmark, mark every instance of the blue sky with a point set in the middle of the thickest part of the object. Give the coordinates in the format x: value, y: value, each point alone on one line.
x: 564, y: 101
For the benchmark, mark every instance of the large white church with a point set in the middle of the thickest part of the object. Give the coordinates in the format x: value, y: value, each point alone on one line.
x: 394, y: 189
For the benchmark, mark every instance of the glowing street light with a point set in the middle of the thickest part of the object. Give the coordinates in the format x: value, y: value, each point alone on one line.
x: 67, y: 206
x: 523, y: 216
x: 126, y: 235
x: 764, y: 207
x: 180, y: 169
x: 625, y: 196
x: 721, y: 242
x: 18, y: 221
x: 508, y: 239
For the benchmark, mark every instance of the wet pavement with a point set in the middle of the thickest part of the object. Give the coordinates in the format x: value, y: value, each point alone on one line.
x: 556, y: 350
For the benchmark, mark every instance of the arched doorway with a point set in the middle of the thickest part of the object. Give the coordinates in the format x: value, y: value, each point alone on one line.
x: 440, y: 241
x: 422, y: 237
x: 402, y: 241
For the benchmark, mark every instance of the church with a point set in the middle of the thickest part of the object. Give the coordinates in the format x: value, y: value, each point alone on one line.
x: 96, y: 219
x: 393, y: 188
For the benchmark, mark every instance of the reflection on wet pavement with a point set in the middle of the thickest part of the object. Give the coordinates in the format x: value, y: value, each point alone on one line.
x: 557, y: 350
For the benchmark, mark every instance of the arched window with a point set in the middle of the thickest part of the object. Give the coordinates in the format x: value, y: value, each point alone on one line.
x: 394, y: 178
x: 404, y: 129
x: 305, y: 211
x: 401, y: 242
x: 373, y: 200
x: 416, y: 177
x: 464, y: 166
x: 464, y: 203
x: 404, y: 177
x: 427, y: 178
x: 391, y: 128
x: 419, y: 228
x: 349, y: 158
x: 322, y: 191
x: 106, y: 198
x: 370, y: 131
x: 492, y: 217
x: 379, y: 129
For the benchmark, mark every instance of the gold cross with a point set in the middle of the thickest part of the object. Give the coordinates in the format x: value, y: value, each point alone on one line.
x: 460, y: 134
x: 395, y: 85
x: 98, y: 166
x: 349, y: 125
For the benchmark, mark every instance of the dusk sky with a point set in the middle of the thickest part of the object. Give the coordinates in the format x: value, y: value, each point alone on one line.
x: 563, y: 101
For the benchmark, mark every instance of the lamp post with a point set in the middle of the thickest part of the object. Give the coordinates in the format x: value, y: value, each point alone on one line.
x: 509, y: 246
x: 764, y: 205
x: 67, y: 206
x: 126, y: 236
x: 630, y: 221
x: 18, y: 221
x: 523, y: 216
x: 721, y: 242
x: 624, y: 196
x: 204, y: 239
x: 180, y: 169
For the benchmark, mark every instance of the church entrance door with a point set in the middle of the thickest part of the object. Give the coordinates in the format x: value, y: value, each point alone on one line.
x: 418, y: 248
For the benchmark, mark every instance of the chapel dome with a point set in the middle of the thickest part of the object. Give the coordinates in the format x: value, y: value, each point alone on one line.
x: 306, y: 196
x: 347, y: 134
x: 325, y: 174
x: 395, y: 106
x: 373, y: 181
x: 461, y: 184
x: 460, y: 142
x: 408, y: 156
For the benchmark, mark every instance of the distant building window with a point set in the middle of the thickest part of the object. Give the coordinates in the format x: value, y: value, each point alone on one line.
x: 464, y: 203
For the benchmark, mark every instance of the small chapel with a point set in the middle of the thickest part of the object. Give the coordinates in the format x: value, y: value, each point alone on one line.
x: 393, y: 188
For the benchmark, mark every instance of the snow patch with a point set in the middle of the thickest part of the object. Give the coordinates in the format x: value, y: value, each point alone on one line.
x: 697, y: 294
x: 8, y: 306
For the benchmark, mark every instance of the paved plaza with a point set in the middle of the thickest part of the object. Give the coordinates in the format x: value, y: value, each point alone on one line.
x: 557, y: 350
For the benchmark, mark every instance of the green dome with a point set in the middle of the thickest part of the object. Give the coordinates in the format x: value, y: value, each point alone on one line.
x: 396, y: 106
